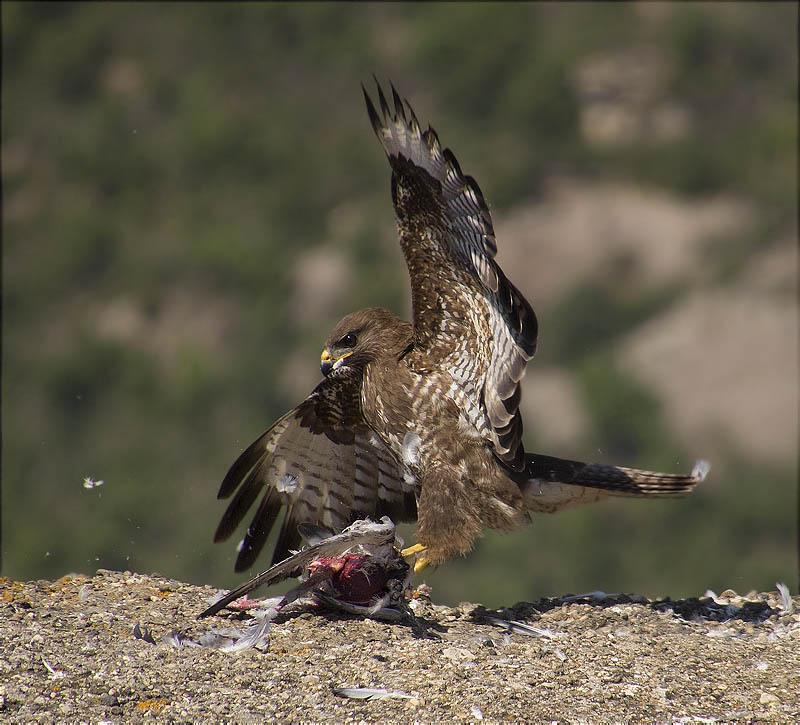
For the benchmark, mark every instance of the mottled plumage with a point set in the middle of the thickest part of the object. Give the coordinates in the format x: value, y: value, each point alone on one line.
x: 357, y: 577
x: 421, y: 420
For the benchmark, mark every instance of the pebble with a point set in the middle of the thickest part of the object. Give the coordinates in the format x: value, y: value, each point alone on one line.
x: 458, y: 653
x: 767, y: 698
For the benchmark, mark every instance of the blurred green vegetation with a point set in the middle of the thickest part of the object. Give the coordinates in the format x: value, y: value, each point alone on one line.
x: 164, y: 168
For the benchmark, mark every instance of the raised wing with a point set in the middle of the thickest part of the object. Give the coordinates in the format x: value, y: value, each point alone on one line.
x: 468, y: 318
x: 322, y: 463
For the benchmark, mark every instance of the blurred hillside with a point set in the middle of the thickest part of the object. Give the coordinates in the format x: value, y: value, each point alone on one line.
x: 192, y: 197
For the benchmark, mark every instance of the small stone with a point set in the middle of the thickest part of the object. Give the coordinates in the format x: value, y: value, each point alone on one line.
x: 457, y: 653
x: 767, y: 698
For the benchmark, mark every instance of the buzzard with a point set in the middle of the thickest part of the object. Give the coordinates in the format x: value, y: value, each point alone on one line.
x: 420, y: 421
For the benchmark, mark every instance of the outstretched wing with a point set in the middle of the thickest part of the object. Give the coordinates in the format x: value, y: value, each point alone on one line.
x: 322, y: 463
x: 468, y: 318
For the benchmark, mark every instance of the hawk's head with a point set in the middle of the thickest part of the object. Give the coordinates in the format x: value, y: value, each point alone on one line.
x: 363, y: 337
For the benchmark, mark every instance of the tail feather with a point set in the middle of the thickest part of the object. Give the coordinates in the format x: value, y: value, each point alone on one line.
x: 612, y: 479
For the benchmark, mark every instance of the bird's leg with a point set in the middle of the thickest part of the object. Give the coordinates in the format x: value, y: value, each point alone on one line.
x: 416, y: 549
x: 421, y: 562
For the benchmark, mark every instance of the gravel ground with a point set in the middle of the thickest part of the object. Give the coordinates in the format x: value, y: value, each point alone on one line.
x: 68, y: 653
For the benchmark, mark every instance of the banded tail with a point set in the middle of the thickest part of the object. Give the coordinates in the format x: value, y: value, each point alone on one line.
x: 553, y: 484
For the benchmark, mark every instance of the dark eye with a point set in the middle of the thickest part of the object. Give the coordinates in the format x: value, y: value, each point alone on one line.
x: 349, y: 340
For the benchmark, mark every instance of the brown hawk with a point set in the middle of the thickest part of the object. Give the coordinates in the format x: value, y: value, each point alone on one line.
x: 421, y: 420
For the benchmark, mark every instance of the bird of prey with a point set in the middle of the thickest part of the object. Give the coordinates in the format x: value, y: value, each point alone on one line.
x: 420, y: 421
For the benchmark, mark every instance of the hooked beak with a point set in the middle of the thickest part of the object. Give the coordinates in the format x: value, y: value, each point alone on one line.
x: 327, y: 363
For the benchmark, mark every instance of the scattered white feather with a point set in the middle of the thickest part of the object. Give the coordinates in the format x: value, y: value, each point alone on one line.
x: 54, y: 674
x: 172, y: 638
x: 701, y: 469
x: 370, y: 693
x: 786, y: 598
x: 287, y: 483
x: 517, y: 627
x: 89, y: 482
x: 596, y: 595
x: 256, y: 636
x: 229, y: 640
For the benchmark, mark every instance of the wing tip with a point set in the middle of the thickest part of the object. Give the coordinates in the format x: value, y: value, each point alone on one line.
x: 374, y: 118
x: 399, y: 111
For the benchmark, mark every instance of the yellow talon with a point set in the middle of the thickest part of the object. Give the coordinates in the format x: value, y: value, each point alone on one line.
x: 421, y: 562
x: 411, y: 550
x: 419, y: 565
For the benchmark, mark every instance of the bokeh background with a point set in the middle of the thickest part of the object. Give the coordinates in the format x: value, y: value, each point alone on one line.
x: 193, y: 196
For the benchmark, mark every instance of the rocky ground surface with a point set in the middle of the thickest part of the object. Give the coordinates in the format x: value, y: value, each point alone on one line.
x: 71, y: 650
